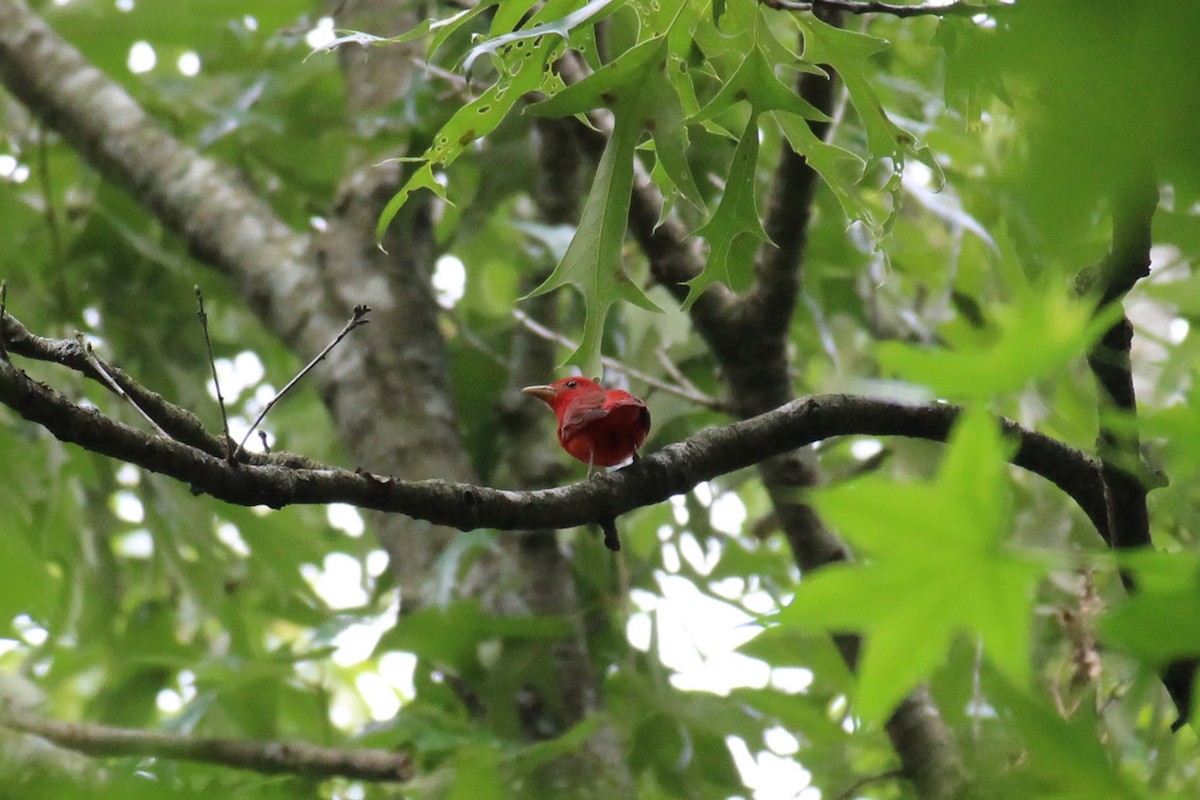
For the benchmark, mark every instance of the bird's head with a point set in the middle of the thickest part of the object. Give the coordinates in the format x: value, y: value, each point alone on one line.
x: 558, y: 394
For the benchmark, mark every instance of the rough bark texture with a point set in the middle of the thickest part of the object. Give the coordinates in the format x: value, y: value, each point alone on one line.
x: 284, y: 479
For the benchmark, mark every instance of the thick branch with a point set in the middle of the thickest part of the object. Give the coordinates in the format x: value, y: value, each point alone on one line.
x: 1120, y: 459
x: 295, y: 758
x: 1123, y: 473
x: 673, y: 470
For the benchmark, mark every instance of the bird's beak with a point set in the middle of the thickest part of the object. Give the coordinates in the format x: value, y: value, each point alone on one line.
x: 543, y: 393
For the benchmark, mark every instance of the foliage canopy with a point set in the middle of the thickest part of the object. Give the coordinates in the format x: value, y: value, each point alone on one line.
x: 747, y: 202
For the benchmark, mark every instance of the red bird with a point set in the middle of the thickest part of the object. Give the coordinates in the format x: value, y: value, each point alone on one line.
x: 596, y: 426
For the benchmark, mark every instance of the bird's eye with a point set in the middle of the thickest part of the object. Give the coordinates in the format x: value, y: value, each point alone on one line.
x: 572, y: 384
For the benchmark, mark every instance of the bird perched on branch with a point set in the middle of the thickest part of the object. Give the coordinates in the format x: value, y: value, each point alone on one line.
x: 597, y: 426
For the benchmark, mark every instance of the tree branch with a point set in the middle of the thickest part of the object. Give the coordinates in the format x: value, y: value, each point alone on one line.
x: 389, y: 391
x: 872, y: 7
x: 296, y: 758
x: 673, y: 470
x: 1123, y: 472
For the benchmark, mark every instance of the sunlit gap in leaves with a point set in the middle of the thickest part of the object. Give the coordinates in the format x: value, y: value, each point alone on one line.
x: 770, y: 774
x: 697, y: 630
x: 1178, y: 330
x: 188, y: 64
x: 698, y: 633
x: 127, y: 507
x: 172, y: 700
x: 142, y: 57
x: 30, y: 632
x: 321, y: 34
x: 13, y: 170
x: 449, y: 280
x: 863, y: 449
x: 378, y: 690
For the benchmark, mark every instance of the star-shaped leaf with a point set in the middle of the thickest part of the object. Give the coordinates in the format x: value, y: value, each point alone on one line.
x: 1036, y: 336
x: 935, y: 565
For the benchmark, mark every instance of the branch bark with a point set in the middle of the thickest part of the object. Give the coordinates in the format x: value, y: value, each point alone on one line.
x: 1123, y: 472
x: 655, y: 477
x: 294, y: 758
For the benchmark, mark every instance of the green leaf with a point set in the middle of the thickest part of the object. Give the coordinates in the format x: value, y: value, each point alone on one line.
x: 848, y: 52
x: 736, y: 215
x: 523, y: 68
x: 671, y: 139
x: 1063, y: 753
x: 1160, y: 622
x: 840, y: 168
x: 935, y: 565
x: 560, y: 27
x: 754, y: 81
x: 477, y: 775
x: 26, y: 585
x: 1036, y: 337
x: 593, y: 261
x: 452, y: 634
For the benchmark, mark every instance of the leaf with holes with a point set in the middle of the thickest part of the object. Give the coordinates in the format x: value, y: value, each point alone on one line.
x: 523, y: 69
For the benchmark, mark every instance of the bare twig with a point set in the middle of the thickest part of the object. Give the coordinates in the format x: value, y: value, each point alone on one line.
x: 97, y: 365
x: 296, y: 758
x: 213, y: 365
x: 181, y: 425
x: 686, y: 391
x: 476, y: 341
x: 357, y: 319
x: 672, y: 369
x: 872, y: 7
x: 853, y: 789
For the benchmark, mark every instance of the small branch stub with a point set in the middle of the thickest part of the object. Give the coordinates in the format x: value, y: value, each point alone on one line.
x: 611, y: 540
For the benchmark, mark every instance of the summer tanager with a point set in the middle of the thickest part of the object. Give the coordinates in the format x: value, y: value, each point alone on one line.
x: 597, y: 426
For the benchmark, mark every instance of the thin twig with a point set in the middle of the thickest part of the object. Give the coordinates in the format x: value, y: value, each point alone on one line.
x: 296, y: 758
x: 853, y: 788
x: 687, y: 392
x: 672, y: 369
x: 460, y: 84
x: 3, y: 311
x: 357, y: 319
x: 97, y: 365
x: 872, y: 7
x: 212, y: 363
x: 475, y: 340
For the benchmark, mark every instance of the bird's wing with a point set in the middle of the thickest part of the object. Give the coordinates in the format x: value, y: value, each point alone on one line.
x: 580, y: 414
